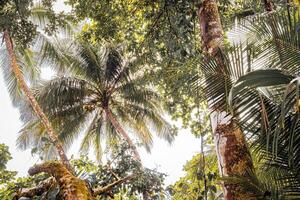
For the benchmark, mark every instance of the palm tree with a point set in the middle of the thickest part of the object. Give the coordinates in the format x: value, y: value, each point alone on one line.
x: 263, y: 74
x: 19, y: 80
x: 221, y: 68
x: 233, y: 155
x: 100, y: 94
x: 271, y: 93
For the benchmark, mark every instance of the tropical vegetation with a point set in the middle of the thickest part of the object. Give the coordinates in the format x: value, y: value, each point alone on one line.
x: 127, y: 70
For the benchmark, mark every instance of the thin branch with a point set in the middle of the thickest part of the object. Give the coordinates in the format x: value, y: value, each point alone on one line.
x: 101, y: 190
x: 113, y: 173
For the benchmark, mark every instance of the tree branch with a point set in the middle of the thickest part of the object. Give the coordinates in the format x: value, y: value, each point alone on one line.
x: 113, y: 173
x: 101, y: 190
x: 38, y: 190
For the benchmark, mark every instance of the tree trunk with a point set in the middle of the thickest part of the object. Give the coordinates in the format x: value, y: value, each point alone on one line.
x: 233, y: 155
x: 71, y: 187
x: 36, y: 107
x: 122, y: 132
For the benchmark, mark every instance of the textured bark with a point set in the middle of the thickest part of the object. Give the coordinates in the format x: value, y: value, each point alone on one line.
x: 210, y: 25
x: 36, y: 107
x: 232, y: 151
x: 234, y: 158
x: 40, y: 189
x: 122, y: 132
x: 71, y: 187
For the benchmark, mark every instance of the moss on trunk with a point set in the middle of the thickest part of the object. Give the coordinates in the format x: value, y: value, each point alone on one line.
x: 71, y: 187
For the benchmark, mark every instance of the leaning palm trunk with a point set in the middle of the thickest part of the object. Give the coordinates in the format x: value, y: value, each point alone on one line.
x: 36, y: 107
x: 234, y: 158
x: 122, y: 132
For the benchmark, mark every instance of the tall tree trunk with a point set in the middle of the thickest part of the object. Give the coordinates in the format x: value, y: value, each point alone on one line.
x: 36, y: 107
x: 233, y: 155
x: 122, y: 132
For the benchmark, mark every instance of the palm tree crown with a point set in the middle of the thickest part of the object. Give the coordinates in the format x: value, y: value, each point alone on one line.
x: 104, y: 92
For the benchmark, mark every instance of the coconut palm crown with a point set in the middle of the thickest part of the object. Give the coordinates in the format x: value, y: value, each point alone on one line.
x: 100, y: 95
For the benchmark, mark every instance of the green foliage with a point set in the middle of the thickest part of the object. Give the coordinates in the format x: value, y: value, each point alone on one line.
x: 8, y: 182
x: 262, y: 74
x: 41, y: 18
x: 147, y: 181
x: 5, y: 175
x: 259, y: 78
x: 268, y: 101
x: 122, y: 164
x: 160, y: 33
x: 198, y: 174
x: 8, y: 190
x: 268, y: 181
x: 165, y: 36
x: 16, y: 17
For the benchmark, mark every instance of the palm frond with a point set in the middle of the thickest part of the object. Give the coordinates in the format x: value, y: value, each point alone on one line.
x: 27, y: 67
x: 92, y: 136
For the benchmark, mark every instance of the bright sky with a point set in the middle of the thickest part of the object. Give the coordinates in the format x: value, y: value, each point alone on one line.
x: 164, y: 157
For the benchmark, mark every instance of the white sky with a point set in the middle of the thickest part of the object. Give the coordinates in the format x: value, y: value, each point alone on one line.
x: 166, y: 158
